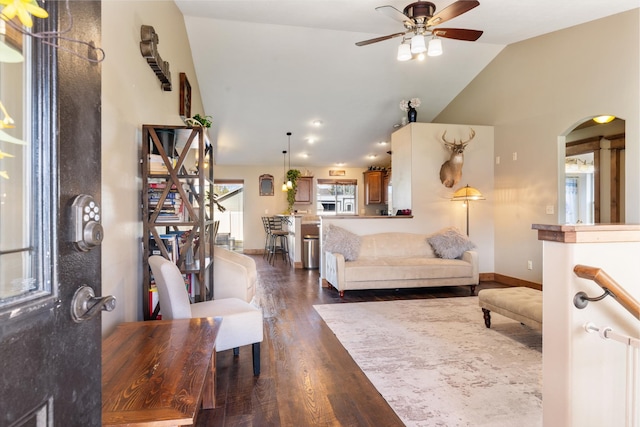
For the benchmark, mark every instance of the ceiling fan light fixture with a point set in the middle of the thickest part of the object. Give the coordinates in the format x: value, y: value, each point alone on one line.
x: 603, y: 119
x: 417, y: 44
x: 404, y: 52
x: 435, y: 47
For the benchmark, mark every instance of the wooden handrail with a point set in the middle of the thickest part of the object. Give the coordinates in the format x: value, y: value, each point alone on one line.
x: 608, y: 284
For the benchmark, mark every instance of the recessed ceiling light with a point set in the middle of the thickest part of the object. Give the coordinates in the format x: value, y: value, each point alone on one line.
x: 372, y: 156
x: 311, y: 140
x: 382, y: 142
x: 317, y: 122
x: 340, y: 164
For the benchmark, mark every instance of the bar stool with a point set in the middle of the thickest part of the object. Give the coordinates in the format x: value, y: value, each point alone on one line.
x: 267, y: 236
x: 278, y: 240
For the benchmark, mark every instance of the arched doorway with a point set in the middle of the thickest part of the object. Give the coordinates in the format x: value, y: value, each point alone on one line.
x: 591, y: 174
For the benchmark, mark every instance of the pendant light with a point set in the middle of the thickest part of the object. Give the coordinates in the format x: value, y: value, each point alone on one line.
x: 284, y: 170
x: 289, y: 183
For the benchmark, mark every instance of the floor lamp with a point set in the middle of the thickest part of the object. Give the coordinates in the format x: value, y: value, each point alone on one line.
x: 466, y: 194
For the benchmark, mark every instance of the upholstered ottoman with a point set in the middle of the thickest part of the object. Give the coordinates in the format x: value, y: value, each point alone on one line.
x: 521, y: 304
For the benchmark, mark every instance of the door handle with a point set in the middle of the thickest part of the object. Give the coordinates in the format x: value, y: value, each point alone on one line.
x: 85, y: 305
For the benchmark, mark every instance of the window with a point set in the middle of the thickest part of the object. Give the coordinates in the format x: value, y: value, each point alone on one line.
x: 230, y: 196
x: 337, y: 197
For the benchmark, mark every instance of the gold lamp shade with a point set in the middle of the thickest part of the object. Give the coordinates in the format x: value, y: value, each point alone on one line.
x: 465, y: 194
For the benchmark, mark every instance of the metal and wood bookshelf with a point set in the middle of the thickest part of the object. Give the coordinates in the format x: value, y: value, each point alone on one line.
x: 177, y: 215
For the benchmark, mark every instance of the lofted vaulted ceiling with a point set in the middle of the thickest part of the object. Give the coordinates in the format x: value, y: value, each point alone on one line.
x: 266, y: 68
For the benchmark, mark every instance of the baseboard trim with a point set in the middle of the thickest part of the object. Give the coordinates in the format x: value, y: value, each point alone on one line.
x: 253, y: 251
x: 507, y: 280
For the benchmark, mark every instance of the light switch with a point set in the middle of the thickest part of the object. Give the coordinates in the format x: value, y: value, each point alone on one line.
x: 515, y: 155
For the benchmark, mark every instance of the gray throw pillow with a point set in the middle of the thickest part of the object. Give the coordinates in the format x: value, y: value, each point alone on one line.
x: 339, y: 240
x: 450, y: 243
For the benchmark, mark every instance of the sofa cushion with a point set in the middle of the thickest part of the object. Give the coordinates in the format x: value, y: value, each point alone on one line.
x: 338, y: 240
x: 414, y: 268
x: 450, y: 243
x: 394, y: 244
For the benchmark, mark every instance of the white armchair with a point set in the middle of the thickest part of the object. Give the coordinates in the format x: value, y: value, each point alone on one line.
x: 234, y: 275
x: 242, y: 323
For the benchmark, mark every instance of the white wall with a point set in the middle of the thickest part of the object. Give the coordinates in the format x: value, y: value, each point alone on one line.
x: 131, y: 97
x: 534, y: 92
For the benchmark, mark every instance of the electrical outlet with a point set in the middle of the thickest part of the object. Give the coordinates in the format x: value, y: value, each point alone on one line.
x: 529, y: 265
x: 497, y: 160
x: 549, y: 210
x: 515, y: 155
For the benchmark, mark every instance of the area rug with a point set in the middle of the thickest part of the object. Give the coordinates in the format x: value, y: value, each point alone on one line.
x: 436, y: 364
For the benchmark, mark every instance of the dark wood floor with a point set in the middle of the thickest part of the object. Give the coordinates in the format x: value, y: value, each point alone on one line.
x: 307, y: 377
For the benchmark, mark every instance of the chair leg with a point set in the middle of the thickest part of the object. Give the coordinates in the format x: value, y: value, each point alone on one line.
x: 256, y: 358
x: 236, y: 351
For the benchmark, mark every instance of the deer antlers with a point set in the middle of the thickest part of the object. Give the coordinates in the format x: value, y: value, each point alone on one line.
x: 461, y: 143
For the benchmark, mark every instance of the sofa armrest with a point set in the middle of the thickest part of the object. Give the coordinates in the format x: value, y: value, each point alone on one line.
x: 334, y: 269
x: 234, y: 275
x: 472, y: 257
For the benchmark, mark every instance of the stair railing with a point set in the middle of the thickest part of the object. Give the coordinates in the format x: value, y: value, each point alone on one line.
x: 610, y: 286
x: 618, y: 293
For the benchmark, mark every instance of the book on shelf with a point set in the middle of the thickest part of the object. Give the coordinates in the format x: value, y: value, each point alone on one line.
x: 170, y: 242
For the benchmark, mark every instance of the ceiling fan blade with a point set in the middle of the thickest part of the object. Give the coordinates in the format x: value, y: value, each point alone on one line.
x: 394, y: 13
x: 457, y: 33
x: 379, y: 39
x: 451, y: 11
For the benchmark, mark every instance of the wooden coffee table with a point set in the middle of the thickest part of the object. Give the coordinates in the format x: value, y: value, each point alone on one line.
x: 159, y: 373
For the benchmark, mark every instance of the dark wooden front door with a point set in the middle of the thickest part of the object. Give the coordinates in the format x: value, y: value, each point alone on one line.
x: 50, y: 364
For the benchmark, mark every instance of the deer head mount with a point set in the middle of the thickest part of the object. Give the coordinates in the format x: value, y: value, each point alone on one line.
x: 451, y: 170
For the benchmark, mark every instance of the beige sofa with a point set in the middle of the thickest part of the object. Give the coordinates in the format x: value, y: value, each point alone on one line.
x: 234, y: 275
x: 398, y: 260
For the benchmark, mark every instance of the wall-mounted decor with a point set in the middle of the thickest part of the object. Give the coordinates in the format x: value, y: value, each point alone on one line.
x: 337, y: 172
x: 149, y: 50
x: 266, y: 185
x: 451, y: 170
x: 185, y: 97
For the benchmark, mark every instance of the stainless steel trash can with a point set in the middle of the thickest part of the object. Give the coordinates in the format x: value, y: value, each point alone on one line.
x: 310, y: 252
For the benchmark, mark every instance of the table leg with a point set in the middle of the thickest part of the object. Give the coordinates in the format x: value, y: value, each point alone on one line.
x: 209, y: 394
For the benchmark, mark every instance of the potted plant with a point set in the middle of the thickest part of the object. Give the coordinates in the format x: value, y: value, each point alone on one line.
x: 292, y: 175
x: 195, y: 121
x: 199, y: 120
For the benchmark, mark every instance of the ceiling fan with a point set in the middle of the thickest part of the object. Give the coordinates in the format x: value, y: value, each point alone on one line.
x: 420, y: 19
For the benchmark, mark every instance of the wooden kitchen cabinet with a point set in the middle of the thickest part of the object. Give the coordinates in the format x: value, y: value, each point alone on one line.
x: 375, y: 189
x: 304, y: 191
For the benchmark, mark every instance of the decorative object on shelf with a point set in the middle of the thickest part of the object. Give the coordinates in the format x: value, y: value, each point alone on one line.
x: 466, y: 194
x: 410, y: 107
x: 451, y: 170
x: 185, y: 97
x: 266, y: 184
x: 199, y: 120
x: 149, y: 50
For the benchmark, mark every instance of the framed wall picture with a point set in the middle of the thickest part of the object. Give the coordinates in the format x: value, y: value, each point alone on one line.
x: 266, y: 185
x: 337, y: 172
x: 185, y: 97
